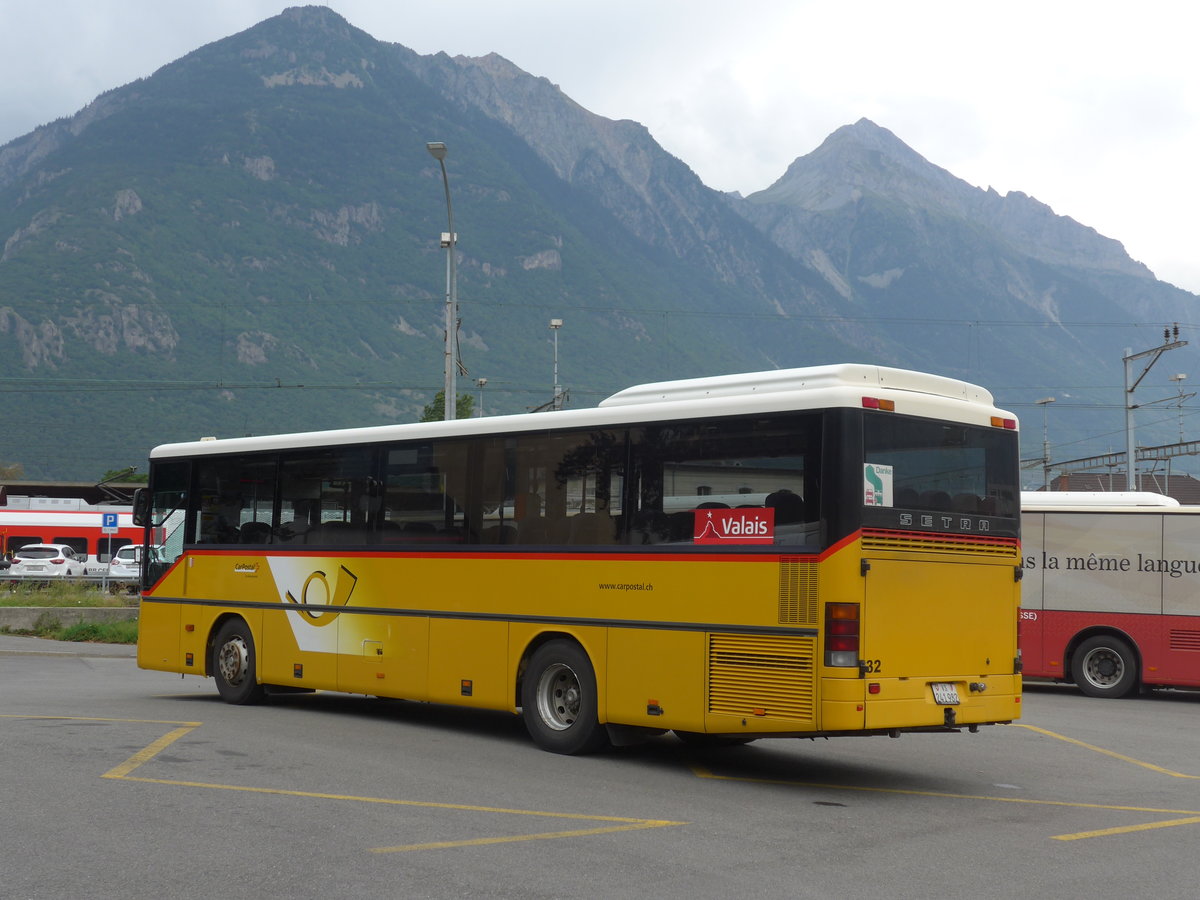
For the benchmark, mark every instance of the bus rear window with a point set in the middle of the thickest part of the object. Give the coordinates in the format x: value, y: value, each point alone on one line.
x: 924, y: 465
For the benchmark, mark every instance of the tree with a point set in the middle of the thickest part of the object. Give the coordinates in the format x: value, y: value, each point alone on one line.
x: 125, y: 476
x: 436, y: 411
x: 11, y: 471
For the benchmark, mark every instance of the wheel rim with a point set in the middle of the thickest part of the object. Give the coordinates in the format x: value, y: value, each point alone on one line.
x: 558, y: 697
x: 234, y: 660
x: 1103, y: 668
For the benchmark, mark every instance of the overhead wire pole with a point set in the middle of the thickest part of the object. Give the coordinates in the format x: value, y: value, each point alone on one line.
x: 1131, y: 386
x: 437, y: 150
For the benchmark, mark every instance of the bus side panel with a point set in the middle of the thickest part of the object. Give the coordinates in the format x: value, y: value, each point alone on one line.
x: 1094, y: 576
x: 1031, y: 618
x: 1181, y: 597
x: 384, y: 655
x: 468, y: 663
x: 656, y: 678
x: 158, y: 637
x: 1092, y: 563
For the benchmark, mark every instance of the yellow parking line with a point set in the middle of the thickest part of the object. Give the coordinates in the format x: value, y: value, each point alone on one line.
x: 123, y: 772
x: 99, y: 719
x: 549, y: 835
x: 148, y: 753
x: 1128, y: 829
x: 1094, y: 749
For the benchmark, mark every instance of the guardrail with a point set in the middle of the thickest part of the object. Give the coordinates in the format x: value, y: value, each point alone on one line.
x: 105, y: 583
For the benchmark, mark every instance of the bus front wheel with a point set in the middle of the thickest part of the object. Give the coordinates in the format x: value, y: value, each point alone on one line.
x: 1104, y: 666
x: 234, y: 666
x: 558, y: 700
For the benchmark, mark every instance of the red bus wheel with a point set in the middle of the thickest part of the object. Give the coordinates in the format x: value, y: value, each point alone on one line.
x: 1105, y: 666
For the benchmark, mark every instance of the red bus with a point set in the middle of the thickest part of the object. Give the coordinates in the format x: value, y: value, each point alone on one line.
x: 63, y: 520
x: 1110, y: 591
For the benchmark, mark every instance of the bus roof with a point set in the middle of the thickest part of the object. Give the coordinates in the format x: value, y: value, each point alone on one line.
x: 1038, y: 500
x: 846, y: 375
x: 781, y: 390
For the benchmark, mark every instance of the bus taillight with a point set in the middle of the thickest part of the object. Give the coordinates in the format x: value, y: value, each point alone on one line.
x: 841, y: 634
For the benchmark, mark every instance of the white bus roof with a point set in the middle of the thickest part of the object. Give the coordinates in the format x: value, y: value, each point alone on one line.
x: 1038, y: 500
x: 845, y: 375
x: 781, y: 390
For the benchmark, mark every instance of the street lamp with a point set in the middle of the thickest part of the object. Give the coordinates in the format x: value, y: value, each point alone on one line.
x: 479, y: 383
x: 556, y: 324
x: 437, y: 150
x: 1044, y: 403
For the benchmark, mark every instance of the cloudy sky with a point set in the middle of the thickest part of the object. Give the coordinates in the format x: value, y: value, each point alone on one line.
x: 1091, y: 107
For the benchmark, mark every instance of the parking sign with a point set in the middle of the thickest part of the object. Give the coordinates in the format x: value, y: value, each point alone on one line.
x: 108, y: 523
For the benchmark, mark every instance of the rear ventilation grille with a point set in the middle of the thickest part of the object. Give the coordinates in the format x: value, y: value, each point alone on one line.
x: 915, y: 541
x: 756, y: 676
x: 1184, y: 640
x: 797, y: 592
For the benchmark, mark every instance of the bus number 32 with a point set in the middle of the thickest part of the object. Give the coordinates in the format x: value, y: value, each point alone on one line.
x: 872, y: 666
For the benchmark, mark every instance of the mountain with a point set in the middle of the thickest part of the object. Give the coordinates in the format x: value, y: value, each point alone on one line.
x: 247, y: 241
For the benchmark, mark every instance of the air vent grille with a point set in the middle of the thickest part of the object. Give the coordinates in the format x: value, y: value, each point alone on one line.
x: 919, y: 542
x: 797, y: 592
x: 762, y: 676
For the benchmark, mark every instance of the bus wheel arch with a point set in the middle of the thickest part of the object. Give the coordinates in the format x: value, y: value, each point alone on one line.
x: 233, y: 662
x: 559, y: 698
x: 1105, y: 664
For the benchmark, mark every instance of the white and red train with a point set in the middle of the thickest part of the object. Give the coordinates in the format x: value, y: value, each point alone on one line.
x: 67, y: 520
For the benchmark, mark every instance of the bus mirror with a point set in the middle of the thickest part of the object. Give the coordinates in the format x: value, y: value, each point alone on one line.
x: 141, y: 507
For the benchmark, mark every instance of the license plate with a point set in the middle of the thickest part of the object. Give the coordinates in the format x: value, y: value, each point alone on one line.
x: 35, y: 568
x: 945, y: 693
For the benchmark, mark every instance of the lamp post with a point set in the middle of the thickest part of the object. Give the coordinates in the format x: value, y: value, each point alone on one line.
x: 479, y: 383
x: 1044, y: 403
x: 556, y: 324
x: 437, y: 150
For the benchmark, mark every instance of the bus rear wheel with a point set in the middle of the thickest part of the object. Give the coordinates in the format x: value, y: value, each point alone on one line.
x: 235, y: 664
x: 558, y: 700
x: 1105, y: 666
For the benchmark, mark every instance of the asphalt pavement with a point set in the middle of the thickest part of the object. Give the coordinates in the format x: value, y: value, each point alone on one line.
x: 16, y: 645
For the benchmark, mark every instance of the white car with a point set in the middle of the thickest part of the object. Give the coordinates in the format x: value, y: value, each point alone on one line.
x: 126, y: 563
x: 47, y: 560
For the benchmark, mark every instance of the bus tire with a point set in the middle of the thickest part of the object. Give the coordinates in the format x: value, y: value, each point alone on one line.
x: 558, y: 700
x: 235, y: 664
x: 1105, y: 666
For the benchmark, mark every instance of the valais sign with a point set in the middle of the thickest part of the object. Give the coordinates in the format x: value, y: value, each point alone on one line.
x: 755, y: 525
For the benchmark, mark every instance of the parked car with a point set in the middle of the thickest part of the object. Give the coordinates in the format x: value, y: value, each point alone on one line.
x: 125, y: 563
x: 48, y: 560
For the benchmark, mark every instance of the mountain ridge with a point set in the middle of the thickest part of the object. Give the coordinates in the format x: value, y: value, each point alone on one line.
x: 261, y: 214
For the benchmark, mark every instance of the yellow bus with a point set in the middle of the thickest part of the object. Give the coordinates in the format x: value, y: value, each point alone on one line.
x: 593, y: 571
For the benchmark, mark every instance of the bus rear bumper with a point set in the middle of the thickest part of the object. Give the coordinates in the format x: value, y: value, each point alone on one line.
x: 908, y: 703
